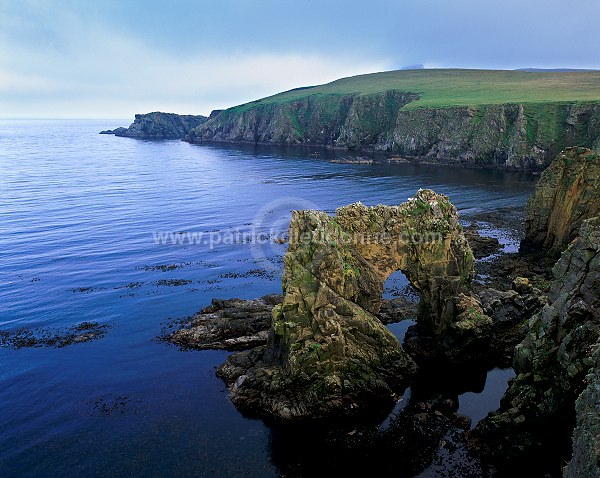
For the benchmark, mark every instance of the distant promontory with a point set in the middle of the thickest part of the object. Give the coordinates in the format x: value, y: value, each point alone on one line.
x: 159, y: 125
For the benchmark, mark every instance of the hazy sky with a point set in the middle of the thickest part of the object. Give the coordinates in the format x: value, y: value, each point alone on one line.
x: 114, y: 58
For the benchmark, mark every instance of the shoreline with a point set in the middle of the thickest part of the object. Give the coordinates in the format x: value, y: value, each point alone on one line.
x: 374, y: 157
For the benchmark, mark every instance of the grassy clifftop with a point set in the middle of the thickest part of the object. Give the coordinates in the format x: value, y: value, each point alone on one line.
x: 456, y: 87
x: 516, y: 119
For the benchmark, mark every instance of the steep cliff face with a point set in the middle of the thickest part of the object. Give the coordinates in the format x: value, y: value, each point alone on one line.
x: 512, y: 135
x: 567, y: 193
x: 159, y: 125
x: 327, y: 120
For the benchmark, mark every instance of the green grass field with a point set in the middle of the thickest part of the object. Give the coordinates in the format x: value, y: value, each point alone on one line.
x: 453, y: 87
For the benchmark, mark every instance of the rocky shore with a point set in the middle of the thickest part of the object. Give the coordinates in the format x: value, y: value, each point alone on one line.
x: 321, y: 349
x: 554, y: 390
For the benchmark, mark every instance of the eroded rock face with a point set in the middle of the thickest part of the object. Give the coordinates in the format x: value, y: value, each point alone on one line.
x: 554, y: 358
x: 328, y: 352
x: 568, y: 193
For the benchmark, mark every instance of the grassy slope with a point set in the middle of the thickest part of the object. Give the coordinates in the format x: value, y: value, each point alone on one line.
x: 443, y: 88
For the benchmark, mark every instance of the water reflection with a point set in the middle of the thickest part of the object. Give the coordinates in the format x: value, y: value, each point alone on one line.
x: 421, y: 435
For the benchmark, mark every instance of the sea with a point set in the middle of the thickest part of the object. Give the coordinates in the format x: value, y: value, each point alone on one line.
x: 135, y: 234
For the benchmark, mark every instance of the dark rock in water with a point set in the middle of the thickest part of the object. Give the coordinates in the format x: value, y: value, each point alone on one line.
x: 327, y: 352
x: 120, y: 131
x: 416, y: 434
x: 43, y: 337
x: 231, y: 324
x: 357, y: 160
x: 568, y: 193
x: 481, y: 246
x: 552, y: 361
x: 501, y: 271
x: 159, y: 125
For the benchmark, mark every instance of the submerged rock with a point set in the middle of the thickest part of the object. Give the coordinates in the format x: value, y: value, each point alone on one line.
x: 327, y: 352
x: 424, y: 437
x: 158, y: 125
x: 396, y: 310
x: 45, y: 337
x: 553, y: 360
x: 568, y: 193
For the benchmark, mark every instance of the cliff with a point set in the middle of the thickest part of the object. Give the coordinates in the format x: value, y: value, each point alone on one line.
x: 567, y: 193
x: 511, y: 119
x: 159, y: 125
x: 552, y: 363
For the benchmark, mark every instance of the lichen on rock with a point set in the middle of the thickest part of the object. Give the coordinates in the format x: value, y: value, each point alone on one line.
x: 328, y: 353
x: 567, y: 193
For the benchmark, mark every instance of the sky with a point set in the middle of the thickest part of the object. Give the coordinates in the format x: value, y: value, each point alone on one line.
x: 115, y: 58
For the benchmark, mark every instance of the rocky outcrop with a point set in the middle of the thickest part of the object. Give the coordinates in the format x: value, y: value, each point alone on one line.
x: 553, y: 360
x: 159, y: 125
x: 230, y: 324
x: 568, y: 193
x: 328, y: 353
x: 481, y: 246
x: 506, y: 135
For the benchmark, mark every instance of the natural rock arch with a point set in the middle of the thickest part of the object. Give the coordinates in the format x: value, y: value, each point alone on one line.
x: 423, y: 240
x: 327, y: 350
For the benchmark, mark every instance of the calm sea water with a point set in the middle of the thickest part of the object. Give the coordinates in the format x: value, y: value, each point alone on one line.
x: 78, y: 217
